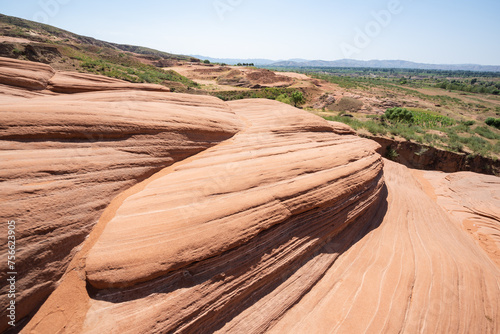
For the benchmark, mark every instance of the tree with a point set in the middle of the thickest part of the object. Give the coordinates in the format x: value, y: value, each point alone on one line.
x: 206, y: 61
x: 297, y: 98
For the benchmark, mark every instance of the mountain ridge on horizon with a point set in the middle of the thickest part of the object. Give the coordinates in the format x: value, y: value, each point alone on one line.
x: 375, y: 63
x: 294, y: 62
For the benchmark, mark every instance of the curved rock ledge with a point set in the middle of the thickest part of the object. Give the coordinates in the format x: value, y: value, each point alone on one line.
x: 415, y: 272
x: 63, y: 158
x: 24, y: 74
x: 38, y: 77
x: 266, y: 175
x: 65, y: 82
x: 171, y: 213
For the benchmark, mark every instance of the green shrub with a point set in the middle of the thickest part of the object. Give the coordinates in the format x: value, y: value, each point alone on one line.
x: 400, y: 115
x: 493, y: 122
x: 271, y: 93
x: 285, y: 99
x: 391, y: 154
x: 421, y: 118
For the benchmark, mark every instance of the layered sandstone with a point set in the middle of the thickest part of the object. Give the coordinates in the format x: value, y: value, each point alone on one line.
x: 414, y: 272
x: 25, y: 74
x: 65, y: 157
x: 170, y: 213
x: 229, y: 224
x: 473, y: 200
x: 68, y: 82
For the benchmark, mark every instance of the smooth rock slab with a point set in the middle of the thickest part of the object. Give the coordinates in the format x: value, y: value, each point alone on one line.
x: 63, y: 158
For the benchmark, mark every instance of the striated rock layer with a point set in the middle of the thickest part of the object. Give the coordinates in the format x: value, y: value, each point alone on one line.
x: 287, y: 228
x: 240, y: 217
x: 228, y: 224
x: 415, y: 272
x: 65, y: 157
x: 474, y: 201
x: 271, y: 171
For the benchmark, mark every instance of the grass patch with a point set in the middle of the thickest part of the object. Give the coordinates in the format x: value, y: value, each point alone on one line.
x: 279, y: 94
x: 140, y: 73
x: 418, y: 126
x: 352, y: 122
x: 421, y: 118
x: 486, y: 132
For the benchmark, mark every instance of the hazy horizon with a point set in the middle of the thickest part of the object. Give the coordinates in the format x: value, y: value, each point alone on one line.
x: 424, y: 31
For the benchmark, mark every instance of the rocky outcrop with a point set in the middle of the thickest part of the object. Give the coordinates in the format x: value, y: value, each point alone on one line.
x: 24, y: 74
x: 67, y: 82
x: 37, y: 76
x: 65, y: 157
x: 326, y: 100
x: 234, y: 78
x: 229, y: 224
x: 474, y: 201
x: 419, y: 156
x: 21, y: 48
x: 250, y: 78
x: 154, y: 212
x: 414, y: 272
x: 342, y: 129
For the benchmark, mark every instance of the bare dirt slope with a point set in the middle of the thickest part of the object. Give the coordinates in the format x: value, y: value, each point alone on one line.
x: 217, y: 77
x: 186, y: 214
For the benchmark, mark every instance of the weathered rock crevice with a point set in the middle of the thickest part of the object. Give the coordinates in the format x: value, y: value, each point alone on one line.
x: 419, y: 156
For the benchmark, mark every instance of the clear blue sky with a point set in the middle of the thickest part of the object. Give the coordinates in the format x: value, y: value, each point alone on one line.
x: 429, y: 31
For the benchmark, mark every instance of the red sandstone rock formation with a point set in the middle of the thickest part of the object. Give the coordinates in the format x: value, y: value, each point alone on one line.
x: 240, y: 217
x: 474, y: 201
x: 65, y: 157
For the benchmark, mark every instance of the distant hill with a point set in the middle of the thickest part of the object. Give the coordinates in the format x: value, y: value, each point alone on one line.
x: 66, y: 51
x: 352, y: 63
x: 385, y: 64
x: 43, y: 33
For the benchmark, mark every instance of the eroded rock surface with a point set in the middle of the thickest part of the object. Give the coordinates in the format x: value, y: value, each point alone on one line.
x: 414, y: 272
x: 65, y: 157
x: 171, y: 213
x: 474, y: 201
x: 25, y: 74
x: 67, y: 82
x: 229, y: 224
